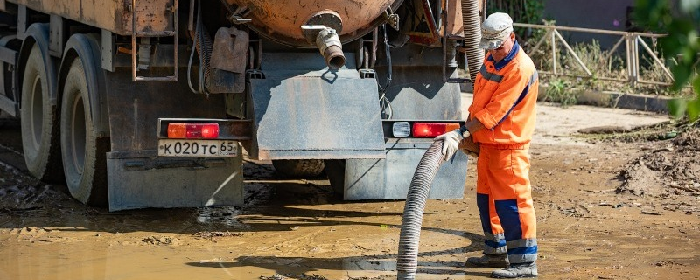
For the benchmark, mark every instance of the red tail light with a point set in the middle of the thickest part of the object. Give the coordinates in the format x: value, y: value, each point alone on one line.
x: 193, y: 130
x: 432, y: 129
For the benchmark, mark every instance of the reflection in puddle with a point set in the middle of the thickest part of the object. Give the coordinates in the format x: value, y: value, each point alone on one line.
x: 426, y: 269
x: 371, y: 268
x: 220, y: 216
x: 102, y: 259
x: 369, y: 264
x: 53, y: 261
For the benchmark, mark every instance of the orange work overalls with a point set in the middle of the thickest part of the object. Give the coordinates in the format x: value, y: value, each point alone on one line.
x: 505, y: 94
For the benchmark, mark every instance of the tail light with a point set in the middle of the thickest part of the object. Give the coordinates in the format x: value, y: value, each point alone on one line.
x: 193, y: 130
x: 427, y: 130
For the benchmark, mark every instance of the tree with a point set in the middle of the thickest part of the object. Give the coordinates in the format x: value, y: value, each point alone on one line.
x: 679, y: 19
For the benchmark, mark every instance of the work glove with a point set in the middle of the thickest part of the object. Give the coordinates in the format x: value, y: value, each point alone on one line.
x: 450, y: 142
x: 468, y: 146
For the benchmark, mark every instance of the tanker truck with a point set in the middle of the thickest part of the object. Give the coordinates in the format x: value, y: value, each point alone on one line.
x: 153, y: 103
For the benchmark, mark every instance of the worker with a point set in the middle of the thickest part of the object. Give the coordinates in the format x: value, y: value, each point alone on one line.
x: 499, y: 128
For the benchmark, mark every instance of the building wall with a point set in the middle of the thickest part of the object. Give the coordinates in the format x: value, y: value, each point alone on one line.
x: 597, y: 14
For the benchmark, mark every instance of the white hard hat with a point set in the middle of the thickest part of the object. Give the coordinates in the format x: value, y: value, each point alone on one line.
x: 494, y: 30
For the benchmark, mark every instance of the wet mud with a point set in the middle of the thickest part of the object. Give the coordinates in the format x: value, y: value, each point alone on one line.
x: 597, y: 218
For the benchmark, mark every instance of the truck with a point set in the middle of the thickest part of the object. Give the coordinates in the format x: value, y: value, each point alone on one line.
x: 153, y: 103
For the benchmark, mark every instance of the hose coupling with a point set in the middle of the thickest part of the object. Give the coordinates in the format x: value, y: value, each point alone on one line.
x: 328, y: 43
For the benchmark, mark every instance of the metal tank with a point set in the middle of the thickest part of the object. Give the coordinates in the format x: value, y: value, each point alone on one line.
x: 320, y: 23
x: 281, y: 20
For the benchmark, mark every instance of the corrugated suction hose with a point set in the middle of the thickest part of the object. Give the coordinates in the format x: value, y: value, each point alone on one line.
x: 204, y: 46
x: 406, y: 262
x: 472, y: 36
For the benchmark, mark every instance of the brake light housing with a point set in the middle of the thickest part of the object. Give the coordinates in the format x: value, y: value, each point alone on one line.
x: 193, y: 130
x: 429, y: 130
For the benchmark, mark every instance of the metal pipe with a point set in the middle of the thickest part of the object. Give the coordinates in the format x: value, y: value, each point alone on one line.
x: 632, y: 41
x: 636, y: 58
x: 335, y: 58
x: 573, y: 53
x: 583, y: 77
x: 628, y: 61
x: 328, y: 43
x: 656, y: 59
x: 612, y: 50
x: 539, y: 43
x: 587, y: 30
x: 656, y: 83
x: 554, y: 53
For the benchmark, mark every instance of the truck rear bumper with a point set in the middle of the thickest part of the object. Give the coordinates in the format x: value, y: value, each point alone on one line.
x: 389, y: 178
x: 140, y: 180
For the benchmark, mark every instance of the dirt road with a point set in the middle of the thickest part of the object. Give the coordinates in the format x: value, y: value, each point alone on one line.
x: 606, y: 209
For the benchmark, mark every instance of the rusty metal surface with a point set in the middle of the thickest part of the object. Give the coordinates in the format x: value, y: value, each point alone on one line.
x: 280, y: 20
x: 146, y: 23
x: 137, y: 177
x: 134, y: 108
x: 420, y: 22
x: 153, y: 16
x: 222, y: 81
x: 230, y: 50
x: 112, y: 15
x: 325, y: 18
x: 454, y: 23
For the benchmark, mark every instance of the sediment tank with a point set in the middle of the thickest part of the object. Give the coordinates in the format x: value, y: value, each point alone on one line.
x: 281, y: 21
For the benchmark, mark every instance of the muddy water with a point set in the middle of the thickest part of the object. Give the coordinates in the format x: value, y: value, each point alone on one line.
x: 336, y: 241
x: 294, y: 228
x: 113, y: 262
x: 297, y: 229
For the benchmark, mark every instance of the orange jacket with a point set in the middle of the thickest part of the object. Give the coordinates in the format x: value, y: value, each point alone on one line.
x: 505, y: 94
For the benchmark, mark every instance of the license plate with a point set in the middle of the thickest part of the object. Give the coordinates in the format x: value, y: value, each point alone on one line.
x: 197, y: 148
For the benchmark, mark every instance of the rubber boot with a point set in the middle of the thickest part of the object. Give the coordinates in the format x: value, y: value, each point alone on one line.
x: 519, y: 270
x: 489, y: 260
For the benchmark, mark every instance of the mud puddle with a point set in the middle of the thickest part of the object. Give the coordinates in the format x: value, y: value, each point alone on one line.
x: 254, y: 246
x: 288, y: 230
x: 296, y: 229
x: 107, y: 261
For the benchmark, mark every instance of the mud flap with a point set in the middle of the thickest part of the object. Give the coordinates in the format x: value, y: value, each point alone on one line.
x: 390, y: 178
x: 302, y: 112
x: 143, y: 180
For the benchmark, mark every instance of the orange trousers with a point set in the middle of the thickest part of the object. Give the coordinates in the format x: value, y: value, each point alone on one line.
x: 505, y: 202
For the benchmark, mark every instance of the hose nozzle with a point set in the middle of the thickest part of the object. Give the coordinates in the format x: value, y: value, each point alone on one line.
x: 328, y: 43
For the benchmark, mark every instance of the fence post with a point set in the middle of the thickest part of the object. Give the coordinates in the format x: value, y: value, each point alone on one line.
x: 631, y: 60
x: 632, y: 42
x: 554, y: 50
x: 656, y: 59
x: 636, y: 58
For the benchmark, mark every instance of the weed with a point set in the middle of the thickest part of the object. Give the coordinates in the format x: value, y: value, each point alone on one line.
x: 560, y: 91
x: 608, y: 68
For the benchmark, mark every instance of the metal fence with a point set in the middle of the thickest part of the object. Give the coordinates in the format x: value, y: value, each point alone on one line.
x: 631, y: 40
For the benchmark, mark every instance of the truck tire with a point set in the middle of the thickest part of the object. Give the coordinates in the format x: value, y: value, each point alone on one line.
x: 335, y: 170
x: 299, y: 168
x: 84, y: 154
x: 4, y: 118
x: 39, y: 121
